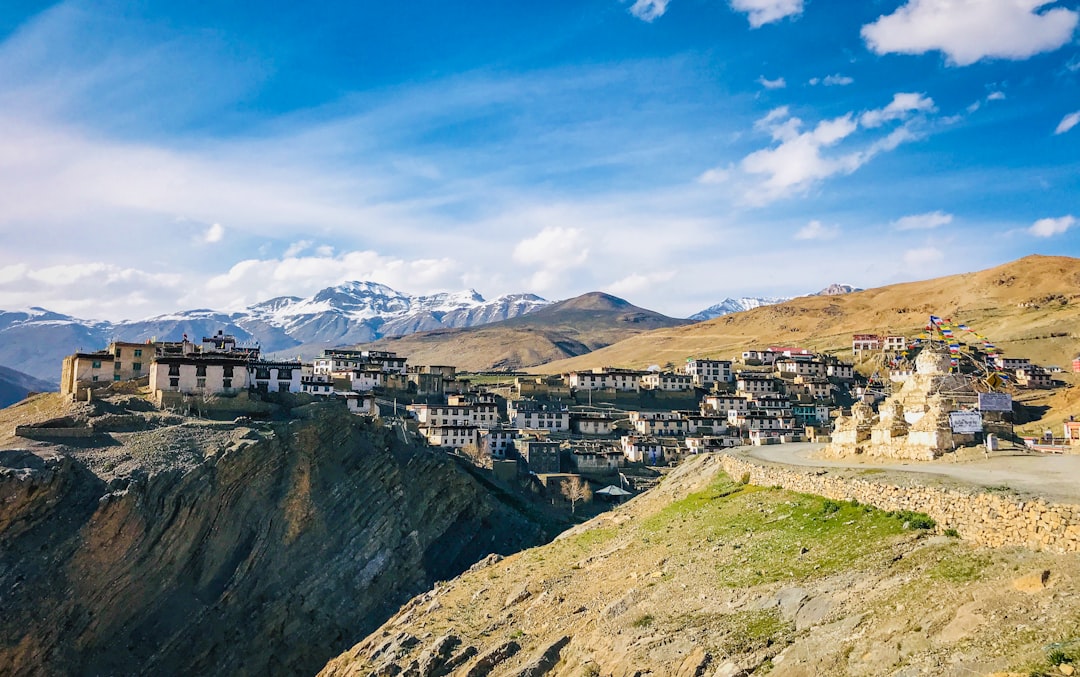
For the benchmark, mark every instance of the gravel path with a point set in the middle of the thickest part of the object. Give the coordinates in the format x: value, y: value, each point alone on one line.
x: 1051, y: 476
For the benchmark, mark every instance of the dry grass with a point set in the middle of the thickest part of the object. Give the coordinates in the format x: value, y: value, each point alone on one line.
x: 1029, y: 308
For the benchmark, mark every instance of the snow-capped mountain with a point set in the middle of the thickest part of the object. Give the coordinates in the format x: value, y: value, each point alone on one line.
x: 729, y: 305
x: 36, y: 340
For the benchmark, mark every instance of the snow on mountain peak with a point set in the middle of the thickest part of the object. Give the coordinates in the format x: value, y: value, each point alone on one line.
x: 730, y: 305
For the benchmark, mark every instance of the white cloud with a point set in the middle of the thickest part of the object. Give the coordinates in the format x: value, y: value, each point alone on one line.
x: 925, y: 221
x: 778, y: 83
x: 900, y: 108
x: 837, y: 80
x: 637, y: 282
x: 214, y: 233
x: 649, y: 10
x: 815, y: 230
x: 87, y: 289
x: 970, y: 30
x: 800, y: 159
x: 995, y: 96
x: 553, y: 251
x: 761, y: 12
x: 716, y: 175
x: 1068, y: 122
x: 1051, y: 227
x: 297, y: 247
x: 923, y: 257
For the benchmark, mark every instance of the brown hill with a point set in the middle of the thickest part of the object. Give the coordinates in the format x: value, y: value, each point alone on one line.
x: 564, y: 329
x: 1029, y: 308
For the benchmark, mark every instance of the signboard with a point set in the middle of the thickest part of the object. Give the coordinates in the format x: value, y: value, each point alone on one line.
x: 995, y: 402
x: 965, y: 422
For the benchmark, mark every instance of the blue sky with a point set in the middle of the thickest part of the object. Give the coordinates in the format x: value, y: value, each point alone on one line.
x: 156, y: 156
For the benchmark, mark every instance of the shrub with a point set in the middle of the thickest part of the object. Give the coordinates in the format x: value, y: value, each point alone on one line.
x: 914, y: 520
x: 829, y: 507
x: 952, y: 533
x: 643, y: 622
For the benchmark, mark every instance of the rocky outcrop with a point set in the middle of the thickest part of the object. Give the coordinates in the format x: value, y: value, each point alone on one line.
x: 269, y: 555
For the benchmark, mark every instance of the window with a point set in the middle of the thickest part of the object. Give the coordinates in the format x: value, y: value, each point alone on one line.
x: 262, y: 374
x: 174, y: 383
x: 200, y: 382
x: 227, y: 371
x: 284, y: 374
x: 96, y: 364
x: 94, y: 377
x: 138, y: 352
x: 283, y: 386
x: 136, y: 366
x: 116, y: 366
x: 200, y: 370
x: 226, y: 383
x: 116, y: 377
x: 117, y: 353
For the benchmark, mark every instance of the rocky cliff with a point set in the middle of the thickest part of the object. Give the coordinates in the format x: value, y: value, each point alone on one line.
x: 173, y: 546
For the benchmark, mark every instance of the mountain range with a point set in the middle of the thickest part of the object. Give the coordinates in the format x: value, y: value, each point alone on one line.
x: 730, y: 305
x: 36, y: 340
x: 565, y: 329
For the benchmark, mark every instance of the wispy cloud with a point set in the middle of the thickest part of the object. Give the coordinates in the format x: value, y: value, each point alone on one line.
x: 901, y: 107
x: 926, y: 221
x: 1067, y: 123
x: 778, y: 83
x: 971, y: 31
x: 1050, y: 227
x: 816, y: 230
x: 801, y: 158
x: 761, y: 12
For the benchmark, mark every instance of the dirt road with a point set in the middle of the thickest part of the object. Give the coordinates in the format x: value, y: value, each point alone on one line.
x: 1051, y: 476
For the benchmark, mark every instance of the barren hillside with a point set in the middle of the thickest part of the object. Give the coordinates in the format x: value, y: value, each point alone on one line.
x: 1029, y: 307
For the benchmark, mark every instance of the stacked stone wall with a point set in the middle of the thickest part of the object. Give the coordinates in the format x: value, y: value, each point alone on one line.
x: 983, y: 517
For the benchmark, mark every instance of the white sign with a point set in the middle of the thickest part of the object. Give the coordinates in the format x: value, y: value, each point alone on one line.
x: 965, y: 422
x: 995, y: 402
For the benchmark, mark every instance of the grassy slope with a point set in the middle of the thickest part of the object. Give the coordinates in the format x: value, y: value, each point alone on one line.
x: 1017, y: 305
x: 703, y: 570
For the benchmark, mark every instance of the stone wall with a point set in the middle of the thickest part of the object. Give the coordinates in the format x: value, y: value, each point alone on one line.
x: 986, y: 518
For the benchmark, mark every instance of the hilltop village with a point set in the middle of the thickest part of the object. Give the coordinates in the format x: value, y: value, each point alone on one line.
x: 595, y: 423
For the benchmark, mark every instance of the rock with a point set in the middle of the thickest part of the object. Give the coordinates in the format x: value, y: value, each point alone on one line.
x: 487, y: 663
x: 517, y: 596
x: 728, y: 669
x: 548, y: 659
x: 694, y: 665
x: 1032, y: 583
x: 1066, y: 669
x: 814, y: 611
x: 790, y: 600
x: 961, y: 625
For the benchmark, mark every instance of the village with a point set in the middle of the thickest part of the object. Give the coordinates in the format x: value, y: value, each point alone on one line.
x: 603, y: 423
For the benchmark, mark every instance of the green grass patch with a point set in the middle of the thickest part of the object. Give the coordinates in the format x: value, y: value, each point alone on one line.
x: 958, y: 566
x: 762, y: 535
x: 592, y: 538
